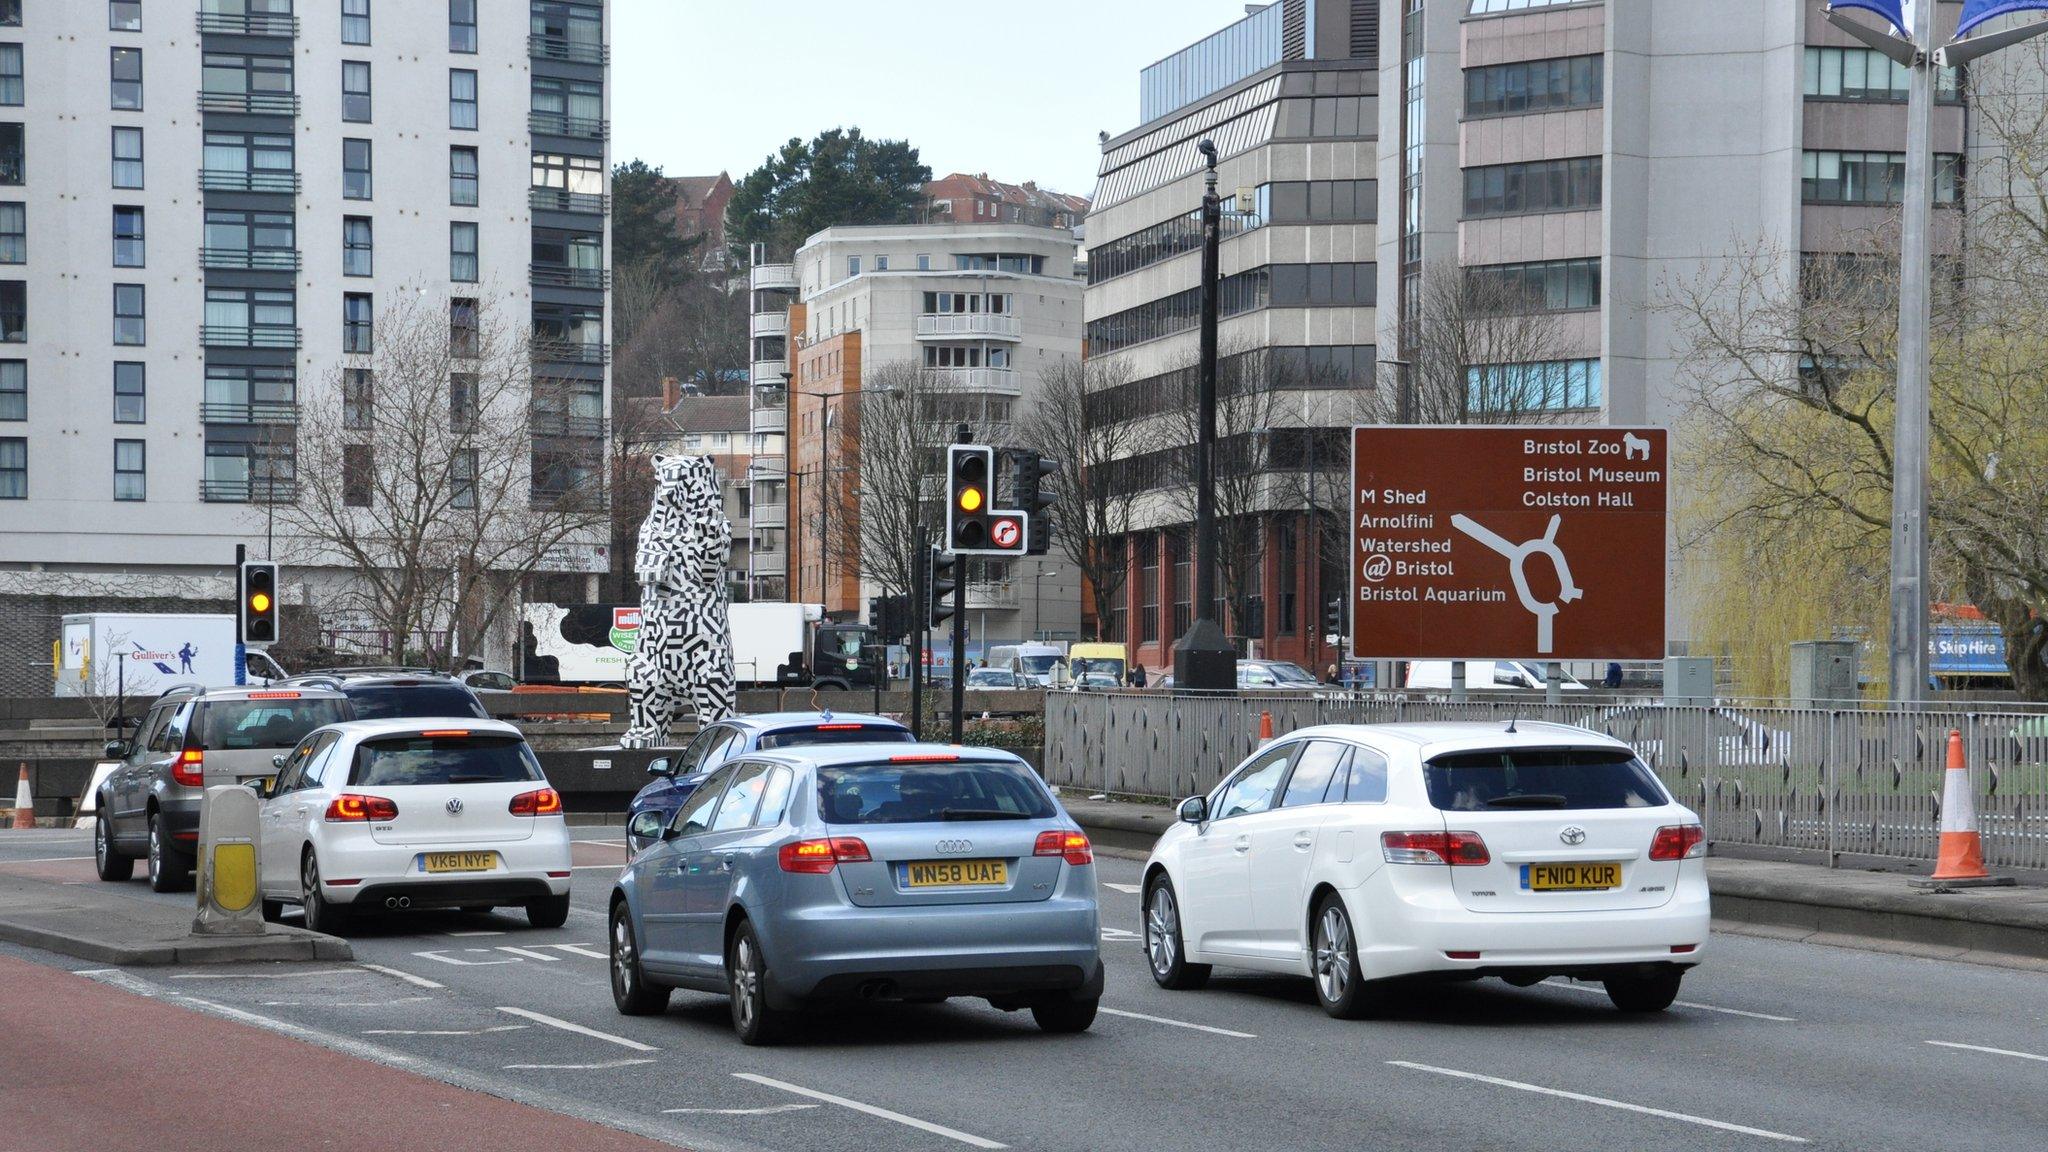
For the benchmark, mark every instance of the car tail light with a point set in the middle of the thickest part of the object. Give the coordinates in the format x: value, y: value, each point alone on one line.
x: 818, y: 857
x: 1678, y: 842
x: 190, y: 768
x: 273, y: 695
x: 540, y: 802
x: 1457, y: 848
x: 839, y: 727
x: 925, y: 758
x: 349, y: 807
x: 1072, y: 845
x: 1682, y: 949
x: 446, y: 732
x: 1461, y: 955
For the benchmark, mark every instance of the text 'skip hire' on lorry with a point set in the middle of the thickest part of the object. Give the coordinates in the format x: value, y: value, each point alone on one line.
x: 1545, y: 543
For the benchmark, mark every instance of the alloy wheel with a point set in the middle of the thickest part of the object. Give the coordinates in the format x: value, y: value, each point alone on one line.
x: 309, y: 883
x: 1162, y: 926
x: 622, y: 955
x: 1333, y: 954
x: 746, y: 981
x: 156, y: 852
x: 99, y: 843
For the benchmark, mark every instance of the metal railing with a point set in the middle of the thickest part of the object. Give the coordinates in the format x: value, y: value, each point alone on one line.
x: 242, y: 336
x: 563, y: 48
x: 237, y: 180
x: 249, y: 491
x: 559, y: 124
x: 249, y: 24
x: 1828, y: 785
x: 559, y: 276
x: 979, y: 379
x: 251, y: 259
x: 256, y: 103
x: 982, y: 324
x: 561, y: 200
x: 565, y: 425
x: 249, y: 412
x: 567, y: 352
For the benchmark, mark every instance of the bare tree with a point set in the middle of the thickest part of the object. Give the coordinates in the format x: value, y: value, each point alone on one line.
x: 1065, y: 422
x: 1474, y: 335
x: 694, y: 332
x: 440, y: 474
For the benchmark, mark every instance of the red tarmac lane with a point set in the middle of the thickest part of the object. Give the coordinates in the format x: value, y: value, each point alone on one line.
x: 88, y: 1067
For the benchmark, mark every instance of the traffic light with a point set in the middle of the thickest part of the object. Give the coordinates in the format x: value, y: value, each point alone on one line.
x: 890, y: 617
x: 941, y: 584
x: 1034, y: 497
x: 1333, y: 617
x: 969, y: 469
x: 257, y: 595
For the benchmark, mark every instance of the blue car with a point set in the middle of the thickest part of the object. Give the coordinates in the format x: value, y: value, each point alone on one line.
x: 906, y: 872
x: 675, y: 777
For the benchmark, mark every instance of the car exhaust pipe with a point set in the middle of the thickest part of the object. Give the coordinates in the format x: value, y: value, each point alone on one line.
x: 398, y: 901
x: 877, y: 989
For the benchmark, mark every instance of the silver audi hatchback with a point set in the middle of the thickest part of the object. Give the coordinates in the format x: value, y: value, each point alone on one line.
x: 904, y: 872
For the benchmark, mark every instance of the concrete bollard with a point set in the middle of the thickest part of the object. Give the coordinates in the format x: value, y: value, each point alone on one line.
x: 229, y: 904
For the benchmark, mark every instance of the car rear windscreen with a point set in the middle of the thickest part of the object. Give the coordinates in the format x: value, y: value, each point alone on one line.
x: 857, y: 734
x: 414, y: 702
x: 227, y: 725
x: 910, y: 793
x: 398, y: 761
x: 1540, y: 778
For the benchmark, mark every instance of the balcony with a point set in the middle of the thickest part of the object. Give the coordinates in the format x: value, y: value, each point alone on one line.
x: 767, y: 469
x: 1003, y: 380
x: 568, y: 425
x: 242, y: 336
x: 561, y: 200
x: 565, y: 352
x: 558, y: 276
x: 250, y: 412
x: 773, y: 278
x: 995, y: 595
x: 249, y: 24
x: 769, y: 516
x: 262, y: 491
x: 576, y: 127
x: 769, y: 324
x: 250, y: 259
x: 254, y: 103
x: 769, y: 563
x: 770, y: 372
x: 564, y: 49
x: 973, y: 325
x: 231, y: 180
x: 774, y: 419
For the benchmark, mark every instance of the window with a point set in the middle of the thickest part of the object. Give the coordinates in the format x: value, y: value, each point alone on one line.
x: 126, y: 72
x: 462, y: 98
x: 357, y: 246
x: 1867, y: 74
x: 881, y: 263
x: 131, y: 400
x: 1243, y: 292
x: 565, y: 30
x: 128, y: 251
x: 1544, y: 286
x: 465, y: 328
x: 131, y: 472
x: 1310, y: 781
x: 1580, y: 778
x: 10, y: 74
x: 1253, y: 790
x: 14, y: 464
x: 462, y: 394
x: 852, y: 266
x: 1324, y: 285
x: 355, y: 90
x: 462, y: 253
x: 1538, y: 186
x: 355, y: 169
x: 130, y: 324
x: 357, y: 474
x: 462, y: 189
x: 355, y: 21
x: 13, y: 233
x: 924, y: 262
x: 1326, y: 116
x: 10, y: 13
x: 358, y: 395
x: 13, y: 389
x: 127, y: 157
x: 1363, y: 781
x: 1319, y: 202
x: 1548, y: 386
x: 1874, y: 178
x: 235, y: 82
x: 1535, y: 86
x: 251, y: 318
x: 1489, y: 7
x: 124, y: 15
x: 239, y: 239
x: 13, y: 312
x: 243, y: 394
x: 568, y: 107
x: 356, y: 321
x: 462, y: 26
x: 576, y: 175
x: 462, y: 479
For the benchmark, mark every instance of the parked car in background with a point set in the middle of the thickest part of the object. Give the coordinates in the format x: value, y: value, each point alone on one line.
x: 191, y: 739
x: 863, y: 872
x: 1275, y: 676
x: 1487, y: 676
x: 381, y: 694
x: 677, y: 776
x: 995, y: 679
x: 1097, y: 667
x: 1658, y: 732
x: 486, y: 680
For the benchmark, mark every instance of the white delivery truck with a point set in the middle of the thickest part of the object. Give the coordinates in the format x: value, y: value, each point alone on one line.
x: 790, y: 645
x: 141, y: 654
x: 1487, y: 676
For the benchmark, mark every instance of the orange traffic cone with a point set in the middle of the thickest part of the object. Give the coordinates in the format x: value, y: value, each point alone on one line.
x: 1265, y: 725
x: 1961, y: 860
x: 24, y: 803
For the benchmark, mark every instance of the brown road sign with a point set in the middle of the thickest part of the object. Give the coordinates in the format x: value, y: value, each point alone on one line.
x: 1508, y: 542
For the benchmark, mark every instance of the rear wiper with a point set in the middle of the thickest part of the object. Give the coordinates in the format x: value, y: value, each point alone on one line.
x: 1528, y: 800
x: 982, y: 814
x: 471, y: 779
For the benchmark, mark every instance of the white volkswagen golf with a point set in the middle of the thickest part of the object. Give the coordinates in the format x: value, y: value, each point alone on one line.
x: 394, y: 814
x: 1357, y: 853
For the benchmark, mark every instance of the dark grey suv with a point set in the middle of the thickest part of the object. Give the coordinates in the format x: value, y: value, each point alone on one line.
x: 191, y: 739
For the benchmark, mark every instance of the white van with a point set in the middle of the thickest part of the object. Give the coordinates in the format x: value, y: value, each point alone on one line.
x: 1487, y: 676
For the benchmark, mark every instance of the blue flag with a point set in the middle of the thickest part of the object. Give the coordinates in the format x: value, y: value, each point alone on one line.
x: 1976, y: 12
x: 1892, y: 10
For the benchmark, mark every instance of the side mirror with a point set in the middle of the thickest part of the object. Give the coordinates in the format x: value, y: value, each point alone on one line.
x: 660, y: 766
x: 645, y: 826
x: 1194, y: 810
x: 117, y: 749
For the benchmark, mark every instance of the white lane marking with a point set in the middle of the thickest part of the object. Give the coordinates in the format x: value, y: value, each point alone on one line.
x: 441, y: 1031
x: 1993, y: 1051
x: 262, y: 975
x: 1694, y: 1004
x: 870, y: 1109
x: 477, y: 932
x: 140, y: 987
x: 1119, y: 935
x: 580, y: 950
x: 344, y: 1003
x: 47, y: 860
x: 577, y: 1067
x: 771, y: 1110
x: 1602, y: 1101
x: 528, y: 954
x: 436, y: 954
x: 595, y: 867
x: 579, y: 1029
x: 1133, y: 889
x: 1177, y: 1023
x: 409, y: 978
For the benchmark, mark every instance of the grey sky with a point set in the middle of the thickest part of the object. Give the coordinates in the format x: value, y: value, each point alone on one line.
x: 1017, y: 91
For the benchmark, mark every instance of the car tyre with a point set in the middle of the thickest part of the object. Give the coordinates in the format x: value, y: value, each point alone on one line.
x: 169, y: 869
x: 632, y: 993
x: 746, y: 977
x: 1165, y: 951
x: 109, y: 861
x: 1652, y: 992
x: 1064, y: 1015
x: 548, y: 911
x: 1340, y: 987
x: 321, y: 916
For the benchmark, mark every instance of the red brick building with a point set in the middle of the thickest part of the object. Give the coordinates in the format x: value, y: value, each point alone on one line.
x: 964, y: 199
x: 700, y: 211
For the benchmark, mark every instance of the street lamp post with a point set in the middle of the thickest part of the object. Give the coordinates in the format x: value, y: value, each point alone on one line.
x: 825, y: 471
x: 1037, y: 602
x: 1204, y: 658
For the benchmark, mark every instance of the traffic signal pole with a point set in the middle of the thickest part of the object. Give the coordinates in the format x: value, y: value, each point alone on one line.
x: 960, y: 656
x: 241, y: 650
x: 920, y: 620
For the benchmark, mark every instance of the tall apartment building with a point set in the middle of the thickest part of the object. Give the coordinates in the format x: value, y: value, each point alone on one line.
x: 982, y: 309
x: 202, y: 207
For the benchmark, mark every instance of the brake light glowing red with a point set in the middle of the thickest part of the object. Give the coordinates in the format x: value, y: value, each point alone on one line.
x: 1678, y: 842
x: 540, y: 802
x: 351, y: 807
x: 817, y: 857
x: 925, y: 758
x: 273, y: 695
x: 447, y: 732
x: 190, y: 768
x: 1463, y: 849
x: 1073, y: 846
x: 839, y: 727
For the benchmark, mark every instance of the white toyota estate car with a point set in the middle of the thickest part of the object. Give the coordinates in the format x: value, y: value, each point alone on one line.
x: 1358, y: 853
x: 395, y: 814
